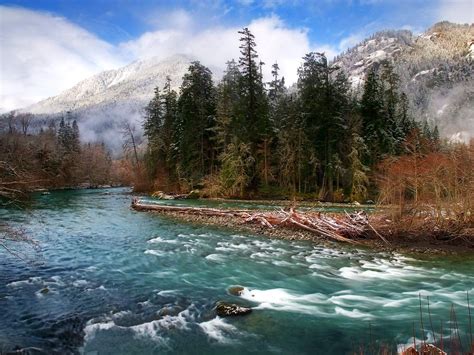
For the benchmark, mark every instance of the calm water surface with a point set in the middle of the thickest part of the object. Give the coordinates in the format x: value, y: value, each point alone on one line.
x: 125, y: 282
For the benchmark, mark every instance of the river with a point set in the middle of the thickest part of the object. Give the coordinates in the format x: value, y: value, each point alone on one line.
x: 124, y: 282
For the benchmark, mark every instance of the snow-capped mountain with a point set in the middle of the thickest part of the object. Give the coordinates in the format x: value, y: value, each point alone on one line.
x: 104, y: 101
x: 133, y: 83
x: 436, y: 71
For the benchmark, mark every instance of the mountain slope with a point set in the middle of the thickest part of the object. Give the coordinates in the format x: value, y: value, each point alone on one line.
x: 104, y: 101
x: 134, y: 82
x: 436, y: 71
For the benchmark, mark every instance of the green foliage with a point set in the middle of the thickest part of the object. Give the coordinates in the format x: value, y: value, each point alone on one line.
x: 236, y: 161
x: 240, y: 139
x: 195, y: 122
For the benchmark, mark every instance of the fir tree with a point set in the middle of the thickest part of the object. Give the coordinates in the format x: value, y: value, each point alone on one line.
x: 324, y: 105
x: 196, y: 118
x: 253, y: 119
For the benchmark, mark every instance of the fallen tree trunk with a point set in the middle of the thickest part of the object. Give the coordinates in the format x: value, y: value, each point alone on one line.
x: 343, y: 228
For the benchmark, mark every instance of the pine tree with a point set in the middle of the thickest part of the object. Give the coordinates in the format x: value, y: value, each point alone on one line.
x: 170, y: 112
x: 196, y: 119
x: 324, y: 104
x: 154, y: 121
x: 277, y: 85
x: 75, y: 141
x: 228, y: 99
x: 253, y: 120
x: 373, y: 124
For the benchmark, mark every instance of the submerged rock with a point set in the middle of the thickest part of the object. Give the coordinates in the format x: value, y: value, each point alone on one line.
x: 224, y: 309
x: 44, y: 291
x: 235, y: 290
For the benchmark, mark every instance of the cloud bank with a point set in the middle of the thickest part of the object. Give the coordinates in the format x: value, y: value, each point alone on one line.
x: 42, y: 54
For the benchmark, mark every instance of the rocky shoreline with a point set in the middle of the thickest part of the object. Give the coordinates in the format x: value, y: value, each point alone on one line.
x: 425, y: 247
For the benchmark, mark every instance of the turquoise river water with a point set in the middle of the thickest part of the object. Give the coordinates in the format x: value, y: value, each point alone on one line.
x: 126, y: 282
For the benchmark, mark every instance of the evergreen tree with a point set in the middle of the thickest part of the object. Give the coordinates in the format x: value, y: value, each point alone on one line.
x: 170, y: 112
x: 324, y: 104
x: 253, y: 119
x: 75, y: 141
x: 154, y: 121
x: 374, y: 129
x: 277, y: 85
x: 196, y: 119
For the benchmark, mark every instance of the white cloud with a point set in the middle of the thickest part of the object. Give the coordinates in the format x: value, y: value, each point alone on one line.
x: 214, y: 46
x: 351, y: 41
x: 459, y: 11
x: 42, y: 54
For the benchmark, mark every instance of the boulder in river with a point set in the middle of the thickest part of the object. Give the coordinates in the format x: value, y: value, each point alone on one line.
x: 224, y: 309
x: 235, y: 290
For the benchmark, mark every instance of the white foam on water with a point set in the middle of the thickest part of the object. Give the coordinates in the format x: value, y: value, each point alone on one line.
x: 219, y: 330
x: 29, y: 281
x: 153, y: 330
x: 100, y: 288
x: 383, y: 269
x: 91, y: 329
x: 161, y: 240
x: 362, y: 301
x: 155, y: 252
x: 147, y: 330
x: 228, y: 246
x: 319, y: 267
x: 80, y: 283
x: 216, y: 258
x: 121, y: 314
x: 399, y: 303
x: 354, y: 313
x: 262, y: 255
x: 285, y: 300
x: 167, y: 292
x: 423, y: 293
x: 282, y: 263
x: 56, y: 280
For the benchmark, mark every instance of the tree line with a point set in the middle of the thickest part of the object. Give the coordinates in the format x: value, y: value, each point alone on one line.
x: 50, y: 157
x: 245, y: 137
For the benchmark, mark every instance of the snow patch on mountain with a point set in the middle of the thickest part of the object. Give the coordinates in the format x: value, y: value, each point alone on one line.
x: 134, y: 82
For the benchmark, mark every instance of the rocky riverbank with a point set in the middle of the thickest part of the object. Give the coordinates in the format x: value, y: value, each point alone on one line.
x: 406, y: 245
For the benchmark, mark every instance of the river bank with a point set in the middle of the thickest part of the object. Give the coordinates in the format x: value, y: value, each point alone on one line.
x: 386, y: 236
x: 130, y: 282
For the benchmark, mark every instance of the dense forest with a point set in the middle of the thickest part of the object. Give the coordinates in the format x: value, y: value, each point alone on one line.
x: 246, y: 137
x: 52, y: 157
x: 320, y: 138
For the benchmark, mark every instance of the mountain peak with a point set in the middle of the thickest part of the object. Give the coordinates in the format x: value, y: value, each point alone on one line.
x: 133, y: 82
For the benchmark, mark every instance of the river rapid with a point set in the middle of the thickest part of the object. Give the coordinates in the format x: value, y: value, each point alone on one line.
x: 114, y: 281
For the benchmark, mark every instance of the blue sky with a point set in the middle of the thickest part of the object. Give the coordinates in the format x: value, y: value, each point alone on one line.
x: 327, y: 21
x: 47, y: 46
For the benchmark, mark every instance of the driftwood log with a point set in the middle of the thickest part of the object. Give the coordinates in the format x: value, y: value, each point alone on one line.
x: 343, y: 227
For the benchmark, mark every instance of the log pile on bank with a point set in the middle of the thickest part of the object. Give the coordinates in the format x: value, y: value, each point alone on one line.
x: 346, y: 227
